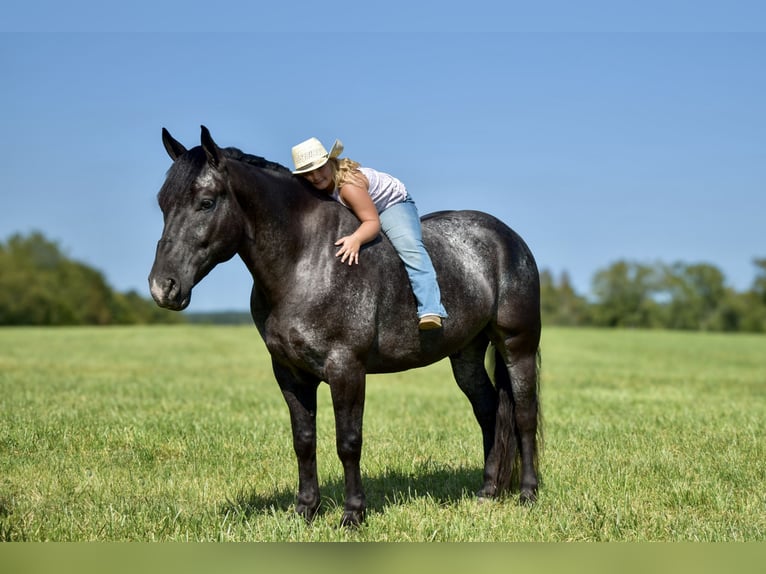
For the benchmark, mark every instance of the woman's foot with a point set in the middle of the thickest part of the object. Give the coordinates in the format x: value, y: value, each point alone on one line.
x: 428, y: 322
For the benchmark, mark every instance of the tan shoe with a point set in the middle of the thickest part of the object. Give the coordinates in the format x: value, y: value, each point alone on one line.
x: 428, y: 322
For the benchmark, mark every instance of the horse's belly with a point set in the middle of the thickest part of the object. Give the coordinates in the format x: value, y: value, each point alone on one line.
x: 402, y: 351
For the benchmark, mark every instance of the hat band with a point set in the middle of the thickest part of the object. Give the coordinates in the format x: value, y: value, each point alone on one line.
x: 319, y: 162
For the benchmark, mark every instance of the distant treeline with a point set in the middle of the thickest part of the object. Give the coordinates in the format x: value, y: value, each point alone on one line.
x: 39, y: 285
x: 678, y: 296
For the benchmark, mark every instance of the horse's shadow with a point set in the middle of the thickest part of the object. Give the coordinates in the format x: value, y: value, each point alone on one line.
x: 441, y: 486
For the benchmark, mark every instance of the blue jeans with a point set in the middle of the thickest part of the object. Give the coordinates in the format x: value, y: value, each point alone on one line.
x: 401, y: 224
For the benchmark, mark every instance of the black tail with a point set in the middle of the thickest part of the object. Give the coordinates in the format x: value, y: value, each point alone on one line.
x: 507, y: 446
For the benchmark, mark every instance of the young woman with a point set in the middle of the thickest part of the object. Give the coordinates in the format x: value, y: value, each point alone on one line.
x: 381, y: 203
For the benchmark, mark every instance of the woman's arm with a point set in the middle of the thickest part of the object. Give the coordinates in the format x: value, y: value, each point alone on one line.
x: 356, y: 196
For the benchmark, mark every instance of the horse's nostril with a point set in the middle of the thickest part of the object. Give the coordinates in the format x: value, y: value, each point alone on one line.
x: 170, y: 287
x: 163, y: 289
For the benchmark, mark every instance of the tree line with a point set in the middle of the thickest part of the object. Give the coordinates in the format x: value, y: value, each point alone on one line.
x: 663, y: 296
x: 40, y: 285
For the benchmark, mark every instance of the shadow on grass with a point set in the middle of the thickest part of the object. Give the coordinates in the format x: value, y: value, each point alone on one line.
x: 442, y: 486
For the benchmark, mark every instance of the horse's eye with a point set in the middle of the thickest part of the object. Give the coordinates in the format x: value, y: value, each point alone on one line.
x: 207, y: 204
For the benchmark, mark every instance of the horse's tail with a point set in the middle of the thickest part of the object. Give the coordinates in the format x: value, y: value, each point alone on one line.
x: 507, y: 446
x: 507, y: 443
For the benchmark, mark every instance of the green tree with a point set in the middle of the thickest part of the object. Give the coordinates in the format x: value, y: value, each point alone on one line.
x: 560, y: 304
x: 39, y: 285
x: 759, y: 283
x: 695, y: 293
x: 624, y: 296
x: 747, y: 311
x: 739, y: 312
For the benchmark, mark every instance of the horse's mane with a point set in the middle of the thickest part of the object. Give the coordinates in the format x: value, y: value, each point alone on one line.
x: 275, y: 168
x: 255, y: 160
x: 182, y: 173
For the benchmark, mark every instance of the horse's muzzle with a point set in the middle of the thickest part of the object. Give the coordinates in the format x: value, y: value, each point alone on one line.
x: 167, y: 293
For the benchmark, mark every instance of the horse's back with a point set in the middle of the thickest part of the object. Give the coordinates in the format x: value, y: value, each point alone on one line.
x: 480, y: 244
x: 488, y: 281
x: 457, y: 226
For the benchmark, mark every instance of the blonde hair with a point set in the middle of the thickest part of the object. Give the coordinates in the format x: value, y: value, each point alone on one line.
x: 345, y: 170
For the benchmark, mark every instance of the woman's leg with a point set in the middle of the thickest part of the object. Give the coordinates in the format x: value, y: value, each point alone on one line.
x: 401, y: 224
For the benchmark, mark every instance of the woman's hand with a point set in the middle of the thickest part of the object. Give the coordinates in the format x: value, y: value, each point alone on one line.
x: 349, y: 249
x: 355, y: 195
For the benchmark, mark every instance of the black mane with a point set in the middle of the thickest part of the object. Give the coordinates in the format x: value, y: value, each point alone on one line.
x: 257, y: 161
x: 182, y: 173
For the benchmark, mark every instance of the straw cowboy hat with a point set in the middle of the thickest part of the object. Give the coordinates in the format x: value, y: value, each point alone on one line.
x: 311, y: 154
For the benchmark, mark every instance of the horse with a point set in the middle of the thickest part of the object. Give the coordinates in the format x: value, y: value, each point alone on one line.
x: 323, y: 321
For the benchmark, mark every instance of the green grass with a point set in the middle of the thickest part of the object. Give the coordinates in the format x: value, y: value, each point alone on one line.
x: 180, y: 433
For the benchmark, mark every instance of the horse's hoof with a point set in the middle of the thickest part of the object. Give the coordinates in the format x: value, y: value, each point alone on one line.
x: 487, y: 493
x: 306, y: 512
x: 527, y: 497
x: 352, y: 518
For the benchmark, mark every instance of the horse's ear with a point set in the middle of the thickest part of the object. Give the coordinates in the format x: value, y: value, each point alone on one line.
x: 174, y: 148
x: 213, y: 152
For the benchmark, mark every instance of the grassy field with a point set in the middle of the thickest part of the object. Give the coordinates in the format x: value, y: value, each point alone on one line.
x: 180, y: 433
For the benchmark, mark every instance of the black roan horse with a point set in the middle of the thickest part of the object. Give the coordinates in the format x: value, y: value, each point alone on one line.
x: 326, y: 321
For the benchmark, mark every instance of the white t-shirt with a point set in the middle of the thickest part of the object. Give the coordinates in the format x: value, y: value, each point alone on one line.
x: 385, y: 190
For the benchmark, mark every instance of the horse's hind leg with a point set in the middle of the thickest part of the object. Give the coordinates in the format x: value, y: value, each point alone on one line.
x: 471, y: 376
x: 520, y: 365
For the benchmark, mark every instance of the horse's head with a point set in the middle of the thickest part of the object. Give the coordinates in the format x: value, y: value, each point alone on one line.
x: 204, y: 224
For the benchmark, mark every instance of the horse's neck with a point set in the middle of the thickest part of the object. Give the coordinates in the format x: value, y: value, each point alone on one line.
x: 281, y: 223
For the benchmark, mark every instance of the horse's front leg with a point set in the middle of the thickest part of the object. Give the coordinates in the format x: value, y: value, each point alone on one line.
x: 300, y: 393
x: 347, y: 382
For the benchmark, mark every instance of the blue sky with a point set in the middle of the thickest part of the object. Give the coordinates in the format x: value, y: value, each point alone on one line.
x: 599, y: 131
